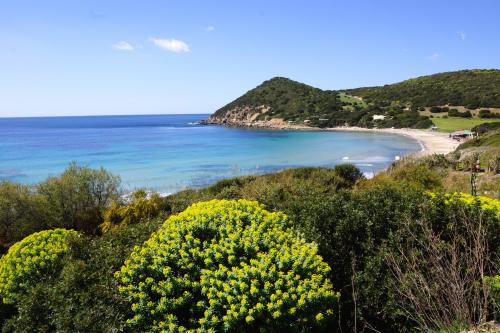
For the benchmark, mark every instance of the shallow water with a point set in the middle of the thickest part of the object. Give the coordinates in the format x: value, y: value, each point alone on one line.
x: 168, y: 153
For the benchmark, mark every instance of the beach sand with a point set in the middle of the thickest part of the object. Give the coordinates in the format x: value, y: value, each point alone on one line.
x: 431, y: 142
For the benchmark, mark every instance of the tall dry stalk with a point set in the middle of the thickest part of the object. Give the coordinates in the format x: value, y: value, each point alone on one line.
x: 440, y: 275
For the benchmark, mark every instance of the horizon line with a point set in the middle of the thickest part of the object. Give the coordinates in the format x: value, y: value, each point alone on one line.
x: 103, y: 115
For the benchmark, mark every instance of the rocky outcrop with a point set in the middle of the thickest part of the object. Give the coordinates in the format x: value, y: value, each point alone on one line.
x: 249, y: 116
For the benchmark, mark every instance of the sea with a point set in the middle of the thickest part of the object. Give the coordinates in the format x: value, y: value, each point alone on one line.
x: 169, y: 153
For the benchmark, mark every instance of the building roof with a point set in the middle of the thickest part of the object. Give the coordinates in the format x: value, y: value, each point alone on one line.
x: 464, y: 132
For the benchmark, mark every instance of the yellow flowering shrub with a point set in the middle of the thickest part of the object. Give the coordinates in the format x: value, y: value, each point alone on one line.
x: 223, y: 266
x: 484, y: 202
x: 29, y: 259
x: 141, y: 206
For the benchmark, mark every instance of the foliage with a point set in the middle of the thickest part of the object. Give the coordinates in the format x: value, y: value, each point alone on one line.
x: 417, y: 174
x: 405, y: 119
x: 456, y: 113
x: 300, y: 103
x: 484, y: 203
x: 227, y: 266
x: 74, y: 200
x: 494, y: 283
x: 140, y: 206
x: 486, y: 127
x: 355, y: 222
x: 350, y: 173
x: 30, y: 260
x: 488, y: 139
x: 83, y: 296
x: 439, y: 261
x: 488, y: 114
x: 437, y: 109
x: 288, y: 99
x: 472, y: 88
x: 22, y: 212
x: 79, y: 196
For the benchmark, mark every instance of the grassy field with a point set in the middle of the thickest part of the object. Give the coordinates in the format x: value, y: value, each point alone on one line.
x: 456, y: 124
x: 345, y: 98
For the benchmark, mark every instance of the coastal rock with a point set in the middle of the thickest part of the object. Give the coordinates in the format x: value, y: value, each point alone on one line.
x: 249, y: 116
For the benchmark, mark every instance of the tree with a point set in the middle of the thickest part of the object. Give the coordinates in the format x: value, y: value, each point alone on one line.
x: 349, y: 173
x: 22, y: 211
x: 227, y: 266
x: 79, y: 196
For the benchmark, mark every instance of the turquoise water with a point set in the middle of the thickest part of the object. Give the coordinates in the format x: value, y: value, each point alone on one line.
x: 168, y: 153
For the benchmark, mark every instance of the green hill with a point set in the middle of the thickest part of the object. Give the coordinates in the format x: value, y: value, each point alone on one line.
x: 281, y: 102
x: 285, y: 99
x: 471, y: 88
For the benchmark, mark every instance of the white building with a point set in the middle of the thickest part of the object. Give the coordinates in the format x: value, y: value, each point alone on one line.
x: 378, y: 117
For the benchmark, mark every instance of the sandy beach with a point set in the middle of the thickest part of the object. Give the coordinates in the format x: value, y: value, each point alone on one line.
x: 431, y: 142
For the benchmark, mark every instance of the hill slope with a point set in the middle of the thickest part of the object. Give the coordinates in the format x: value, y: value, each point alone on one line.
x: 472, y: 88
x: 278, y: 98
x: 284, y: 103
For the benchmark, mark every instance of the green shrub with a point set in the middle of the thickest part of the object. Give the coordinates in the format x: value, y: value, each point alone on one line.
x: 22, y: 212
x: 437, y: 109
x: 29, y: 260
x: 456, y: 113
x: 417, y: 174
x: 350, y: 173
x: 227, y: 266
x: 79, y: 196
x: 140, y: 207
x: 83, y: 296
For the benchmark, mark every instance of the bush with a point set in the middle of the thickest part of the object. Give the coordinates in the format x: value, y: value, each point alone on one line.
x: 227, y: 266
x: 349, y: 173
x: 488, y: 114
x: 440, y: 260
x: 456, y: 113
x: 79, y: 196
x: 29, y: 260
x: 140, y: 207
x: 83, y: 296
x: 417, y: 174
x: 22, y: 212
x: 437, y: 109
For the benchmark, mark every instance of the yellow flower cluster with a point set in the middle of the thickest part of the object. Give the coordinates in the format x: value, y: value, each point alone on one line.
x: 226, y: 265
x: 484, y: 202
x: 31, y: 258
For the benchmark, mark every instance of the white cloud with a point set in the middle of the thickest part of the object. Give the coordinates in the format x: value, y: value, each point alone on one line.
x: 462, y: 35
x: 172, y: 45
x: 210, y: 28
x: 434, y: 57
x: 123, y: 46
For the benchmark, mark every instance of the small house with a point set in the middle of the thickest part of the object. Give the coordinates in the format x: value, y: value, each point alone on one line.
x: 378, y: 117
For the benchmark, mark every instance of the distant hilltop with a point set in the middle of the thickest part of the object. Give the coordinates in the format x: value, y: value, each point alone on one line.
x: 284, y: 103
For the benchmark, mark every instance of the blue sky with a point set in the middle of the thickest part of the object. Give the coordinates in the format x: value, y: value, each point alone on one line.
x: 145, y: 57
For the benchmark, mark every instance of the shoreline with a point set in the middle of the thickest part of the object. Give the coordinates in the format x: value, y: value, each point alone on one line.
x: 431, y: 142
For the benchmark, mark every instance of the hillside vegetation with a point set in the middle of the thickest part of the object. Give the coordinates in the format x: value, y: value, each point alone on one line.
x: 288, y: 99
x: 471, y: 88
x: 350, y: 254
x: 281, y: 102
x: 294, y: 103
